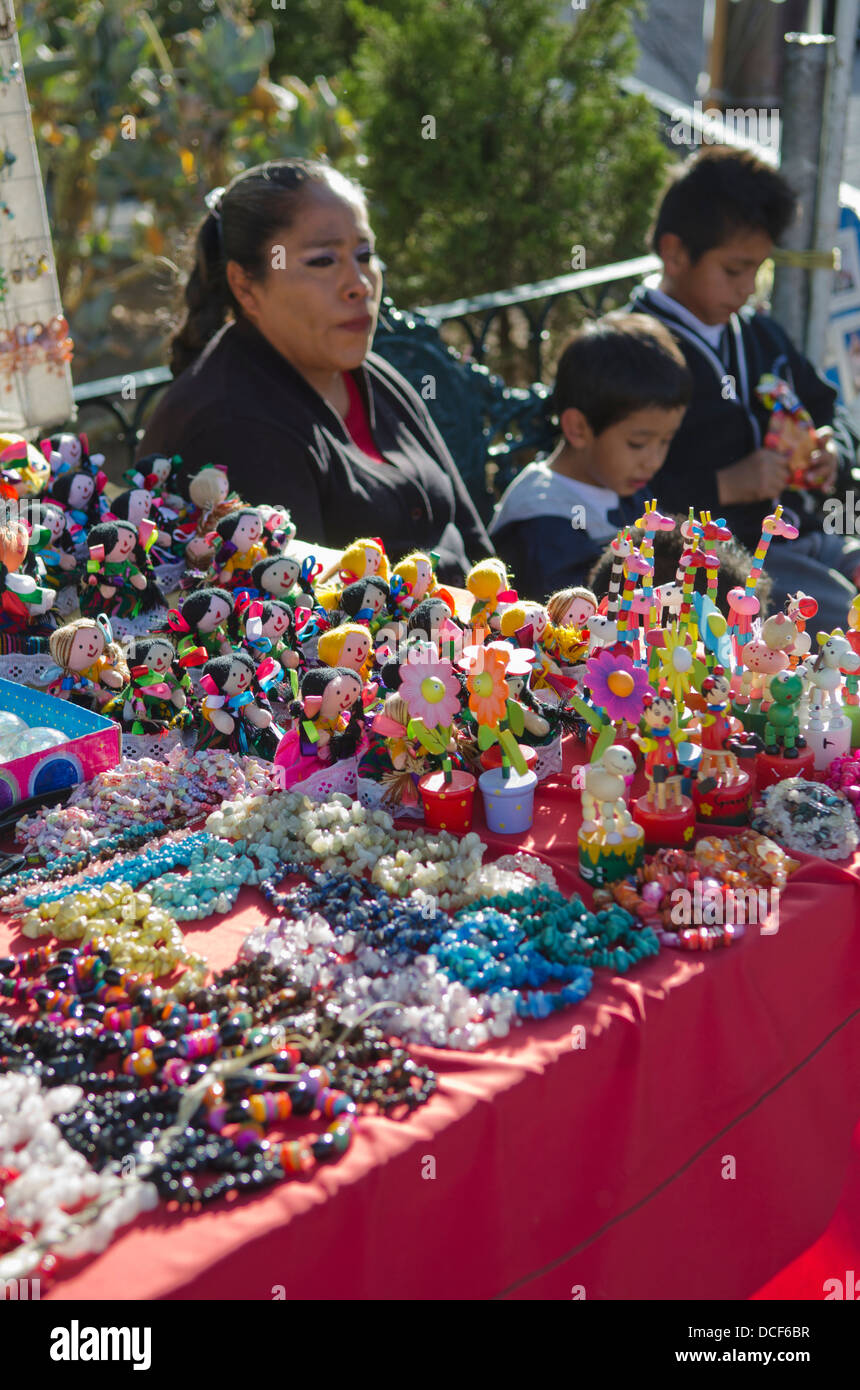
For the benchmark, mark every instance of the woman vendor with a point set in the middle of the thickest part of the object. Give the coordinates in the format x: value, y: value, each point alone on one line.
x: 274, y: 376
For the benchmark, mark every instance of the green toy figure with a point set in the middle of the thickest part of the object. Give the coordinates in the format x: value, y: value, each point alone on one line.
x: 782, y: 728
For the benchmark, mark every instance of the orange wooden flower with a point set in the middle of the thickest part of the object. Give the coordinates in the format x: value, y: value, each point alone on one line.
x: 488, y: 692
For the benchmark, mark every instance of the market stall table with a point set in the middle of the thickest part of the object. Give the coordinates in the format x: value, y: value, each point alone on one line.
x: 688, y: 1145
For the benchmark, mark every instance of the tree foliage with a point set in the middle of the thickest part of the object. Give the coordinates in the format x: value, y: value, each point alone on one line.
x: 498, y: 138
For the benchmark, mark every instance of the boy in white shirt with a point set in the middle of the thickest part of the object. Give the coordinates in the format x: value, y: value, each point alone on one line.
x: 621, y: 390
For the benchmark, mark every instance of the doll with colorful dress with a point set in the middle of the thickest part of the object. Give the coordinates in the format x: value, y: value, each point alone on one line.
x: 49, y: 541
x: 70, y: 453
x: 243, y: 545
x: 119, y: 578
x: 569, y: 610
x: 26, y: 599
x: 156, y: 696
x: 200, y: 625
x: 235, y: 715
x: 210, y: 500
x: 90, y: 666
x: 81, y: 497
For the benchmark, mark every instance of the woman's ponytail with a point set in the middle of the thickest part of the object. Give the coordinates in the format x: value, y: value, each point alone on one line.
x: 206, y: 295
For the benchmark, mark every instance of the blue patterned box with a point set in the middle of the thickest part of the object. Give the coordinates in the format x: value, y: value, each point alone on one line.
x: 93, y: 745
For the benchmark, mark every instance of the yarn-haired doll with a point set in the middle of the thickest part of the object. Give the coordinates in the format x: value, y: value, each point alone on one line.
x: 211, y: 500
x: 156, y: 696
x: 49, y: 541
x: 25, y: 598
x: 80, y: 495
x: 366, y: 601
x: 330, y: 710
x: 235, y: 716
x: 200, y: 623
x: 242, y: 546
x: 119, y: 578
x: 91, y: 667
x: 138, y: 504
x: 268, y: 628
x: 348, y: 645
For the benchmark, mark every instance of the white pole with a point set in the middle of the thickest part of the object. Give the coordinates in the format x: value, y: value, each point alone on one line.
x: 830, y: 171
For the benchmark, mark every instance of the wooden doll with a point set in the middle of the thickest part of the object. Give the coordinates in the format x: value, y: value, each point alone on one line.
x: 91, y: 668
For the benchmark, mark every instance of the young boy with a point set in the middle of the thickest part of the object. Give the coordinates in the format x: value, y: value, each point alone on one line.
x: 620, y: 394
x: 718, y: 221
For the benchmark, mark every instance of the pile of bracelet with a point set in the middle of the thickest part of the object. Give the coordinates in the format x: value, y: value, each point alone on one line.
x: 698, y: 899
x: 843, y: 775
x: 216, y: 868
x: 140, y: 936
x: 345, y: 837
x: 182, y: 789
x: 191, y: 1097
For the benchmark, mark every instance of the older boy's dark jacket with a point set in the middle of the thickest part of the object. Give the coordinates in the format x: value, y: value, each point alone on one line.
x: 725, y: 422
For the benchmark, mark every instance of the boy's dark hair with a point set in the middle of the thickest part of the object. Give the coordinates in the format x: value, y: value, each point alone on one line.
x: 720, y: 191
x: 735, y: 565
x: 617, y: 365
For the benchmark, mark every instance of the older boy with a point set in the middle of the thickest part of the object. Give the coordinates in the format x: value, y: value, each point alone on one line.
x: 718, y: 221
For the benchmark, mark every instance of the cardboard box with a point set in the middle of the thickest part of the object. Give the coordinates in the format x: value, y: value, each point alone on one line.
x: 94, y: 744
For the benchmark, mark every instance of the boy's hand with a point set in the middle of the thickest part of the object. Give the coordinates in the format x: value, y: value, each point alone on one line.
x: 760, y: 477
x: 824, y: 461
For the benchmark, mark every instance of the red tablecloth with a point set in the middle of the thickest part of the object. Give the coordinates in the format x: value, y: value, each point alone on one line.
x: 690, y: 1149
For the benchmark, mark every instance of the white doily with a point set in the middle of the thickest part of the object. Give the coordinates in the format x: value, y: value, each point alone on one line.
x: 549, y: 758
x: 26, y: 669
x: 141, y: 626
x: 168, y: 576
x: 157, y: 746
x: 331, y: 778
x: 372, y: 795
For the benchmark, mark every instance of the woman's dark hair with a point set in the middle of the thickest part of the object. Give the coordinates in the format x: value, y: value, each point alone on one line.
x: 344, y: 743
x: 196, y: 605
x: 219, y: 666
x: 617, y: 365
x: 352, y: 598
x: 735, y: 565
x: 718, y: 192
x: 255, y: 206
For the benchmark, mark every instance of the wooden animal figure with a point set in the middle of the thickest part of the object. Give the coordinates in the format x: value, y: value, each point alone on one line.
x: 603, y: 804
x: 602, y: 631
x: 766, y: 655
x: 835, y: 656
x: 782, y: 729
x: 801, y: 608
